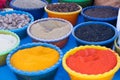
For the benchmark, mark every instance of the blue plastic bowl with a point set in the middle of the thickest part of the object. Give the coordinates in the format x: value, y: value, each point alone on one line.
x: 36, y: 12
x: 21, y: 32
x: 107, y: 43
x: 47, y: 74
x: 111, y: 20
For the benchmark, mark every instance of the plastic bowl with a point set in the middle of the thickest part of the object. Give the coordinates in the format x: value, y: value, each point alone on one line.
x: 46, y: 74
x: 4, y: 54
x: 117, y: 48
x: 79, y: 76
x: 83, y: 3
x: 36, y: 12
x: 21, y: 32
x: 61, y: 41
x: 111, y: 20
x: 70, y: 16
x: 108, y: 43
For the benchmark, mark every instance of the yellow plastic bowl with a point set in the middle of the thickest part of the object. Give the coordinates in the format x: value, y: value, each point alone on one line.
x: 70, y: 16
x: 78, y: 76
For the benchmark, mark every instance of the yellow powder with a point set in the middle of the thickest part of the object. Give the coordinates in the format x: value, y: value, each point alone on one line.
x: 34, y: 59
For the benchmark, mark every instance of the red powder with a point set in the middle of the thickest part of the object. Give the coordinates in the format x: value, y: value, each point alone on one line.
x: 92, y: 61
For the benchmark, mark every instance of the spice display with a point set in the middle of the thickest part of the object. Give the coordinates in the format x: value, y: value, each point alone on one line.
x: 63, y: 7
x: 29, y: 4
x: 101, y: 12
x: 7, y: 42
x: 27, y: 61
x: 13, y: 21
x: 94, y: 33
x: 50, y: 29
x: 35, y: 58
x: 92, y: 61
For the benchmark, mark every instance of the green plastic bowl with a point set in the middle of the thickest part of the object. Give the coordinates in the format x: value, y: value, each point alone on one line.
x: 4, y: 54
x: 83, y: 3
x: 117, y: 48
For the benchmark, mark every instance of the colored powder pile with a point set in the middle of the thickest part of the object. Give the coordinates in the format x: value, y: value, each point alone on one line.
x: 50, y: 29
x: 35, y: 58
x: 29, y: 4
x: 92, y: 61
x: 7, y: 42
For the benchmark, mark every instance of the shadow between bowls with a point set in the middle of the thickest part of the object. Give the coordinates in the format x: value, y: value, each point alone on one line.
x: 108, y: 43
x: 47, y: 74
x: 21, y: 32
x: 37, y: 13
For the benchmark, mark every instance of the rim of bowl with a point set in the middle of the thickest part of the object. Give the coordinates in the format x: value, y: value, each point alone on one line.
x: 99, y: 23
x: 27, y: 9
x: 50, y: 40
x: 3, y: 13
x: 61, y: 13
x: 95, y: 18
x: 116, y: 44
x: 70, y: 71
x: 14, y: 35
x: 34, y: 73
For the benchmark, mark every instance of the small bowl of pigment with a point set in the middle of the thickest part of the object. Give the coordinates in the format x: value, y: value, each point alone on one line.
x: 16, y: 21
x: 34, y: 7
x: 95, y: 33
x: 8, y: 42
x: 91, y: 62
x: 51, y: 30
x: 67, y: 11
x: 100, y: 13
x: 35, y: 61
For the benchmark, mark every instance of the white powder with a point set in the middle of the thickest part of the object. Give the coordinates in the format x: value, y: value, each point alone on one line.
x: 7, y: 42
x: 29, y: 3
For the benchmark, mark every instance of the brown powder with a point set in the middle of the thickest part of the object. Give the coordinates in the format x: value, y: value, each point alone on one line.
x: 50, y: 29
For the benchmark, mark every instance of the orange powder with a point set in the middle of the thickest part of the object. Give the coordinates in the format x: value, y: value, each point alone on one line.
x: 35, y: 58
x: 92, y: 61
